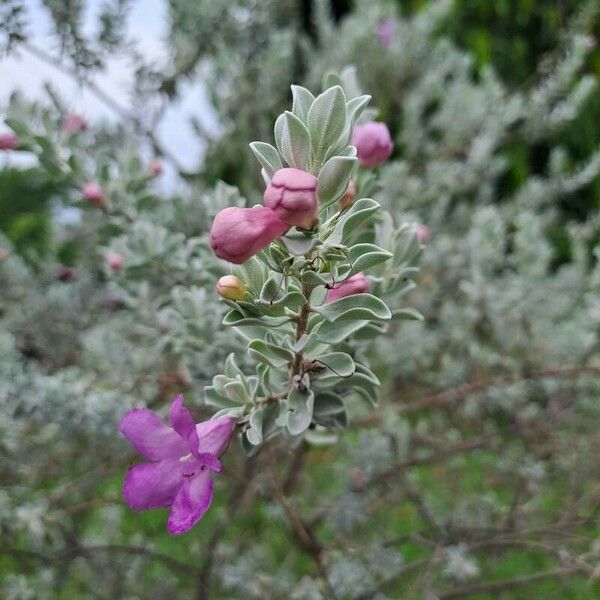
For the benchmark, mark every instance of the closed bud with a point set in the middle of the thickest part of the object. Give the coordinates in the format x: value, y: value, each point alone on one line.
x: 423, y: 234
x: 94, y: 194
x: 357, y: 284
x: 74, y: 123
x: 115, y: 261
x: 231, y: 288
x: 8, y: 140
x: 292, y: 194
x: 348, y: 198
x: 155, y: 167
x: 373, y: 143
x: 239, y: 233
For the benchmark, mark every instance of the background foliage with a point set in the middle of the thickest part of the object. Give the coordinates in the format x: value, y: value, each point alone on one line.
x: 478, y: 474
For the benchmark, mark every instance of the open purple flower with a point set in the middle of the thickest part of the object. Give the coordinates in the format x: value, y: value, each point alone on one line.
x: 181, y: 459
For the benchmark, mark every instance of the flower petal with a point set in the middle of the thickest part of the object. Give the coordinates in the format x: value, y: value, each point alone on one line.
x: 192, y: 501
x: 153, y: 485
x: 209, y: 461
x: 150, y: 436
x: 214, y: 435
x: 181, y: 418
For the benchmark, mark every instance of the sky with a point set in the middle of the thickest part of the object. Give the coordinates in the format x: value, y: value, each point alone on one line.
x: 146, y: 26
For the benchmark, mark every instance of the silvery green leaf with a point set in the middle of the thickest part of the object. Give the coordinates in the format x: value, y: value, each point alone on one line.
x: 302, y: 101
x: 355, y: 107
x: 270, y: 414
x: 267, y: 156
x: 339, y: 363
x: 334, y: 178
x: 406, y: 245
x: 349, y: 80
x: 300, y: 410
x: 282, y: 417
x: 213, y: 398
x: 335, y: 332
x: 231, y: 369
x: 292, y: 300
x: 254, y: 432
x: 330, y: 410
x: 295, y: 142
x: 236, y: 391
x: 278, y: 129
x: 266, y: 177
x: 318, y: 296
x: 299, y: 242
x: 235, y: 318
x: 409, y: 314
x: 326, y: 121
x: 330, y: 79
x: 365, y: 383
x: 313, y: 278
x: 253, y: 274
x: 364, y: 256
x: 248, y: 448
x: 271, y: 289
x: 356, y: 307
x: 236, y: 412
x: 262, y: 352
x: 359, y: 212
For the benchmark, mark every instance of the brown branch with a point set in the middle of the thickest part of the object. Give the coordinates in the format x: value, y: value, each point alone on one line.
x: 448, y: 399
x: 86, y: 551
x: 506, y: 584
x: 302, y: 532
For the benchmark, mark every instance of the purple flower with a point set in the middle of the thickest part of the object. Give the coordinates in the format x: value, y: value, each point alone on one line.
x: 386, y: 32
x: 357, y: 284
x: 239, y: 233
x: 182, y: 457
x: 8, y: 140
x: 292, y: 194
x: 373, y: 143
x: 74, y: 123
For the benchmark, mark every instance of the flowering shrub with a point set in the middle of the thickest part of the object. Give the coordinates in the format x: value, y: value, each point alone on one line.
x: 346, y: 448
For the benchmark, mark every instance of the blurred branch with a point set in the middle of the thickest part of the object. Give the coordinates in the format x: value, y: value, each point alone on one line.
x: 448, y: 399
x: 122, y: 111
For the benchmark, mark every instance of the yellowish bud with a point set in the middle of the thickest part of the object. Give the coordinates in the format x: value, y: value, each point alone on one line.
x: 230, y: 287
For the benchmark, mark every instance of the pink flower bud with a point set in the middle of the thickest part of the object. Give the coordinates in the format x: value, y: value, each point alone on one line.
x: 373, y: 143
x: 423, y: 234
x: 357, y: 284
x: 8, y: 140
x: 64, y: 273
x: 590, y: 42
x: 94, y: 195
x: 3, y: 254
x: 155, y: 167
x: 230, y: 287
x: 115, y: 261
x: 348, y: 198
x: 386, y: 32
x: 292, y: 194
x: 239, y: 233
x: 74, y: 123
